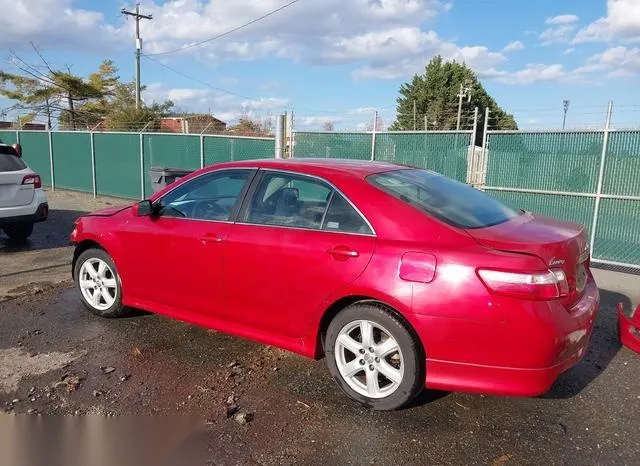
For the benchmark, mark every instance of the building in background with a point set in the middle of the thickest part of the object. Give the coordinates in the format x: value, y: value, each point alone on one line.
x: 192, y: 124
x: 25, y: 126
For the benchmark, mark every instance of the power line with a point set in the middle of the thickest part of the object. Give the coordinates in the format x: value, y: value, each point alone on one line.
x: 225, y: 91
x: 231, y: 31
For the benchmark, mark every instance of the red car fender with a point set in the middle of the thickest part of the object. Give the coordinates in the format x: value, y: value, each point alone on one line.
x: 629, y: 328
x: 107, y: 241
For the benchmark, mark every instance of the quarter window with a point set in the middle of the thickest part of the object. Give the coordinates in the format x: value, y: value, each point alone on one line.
x: 341, y: 216
x: 209, y: 197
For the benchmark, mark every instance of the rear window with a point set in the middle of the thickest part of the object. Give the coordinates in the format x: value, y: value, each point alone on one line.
x: 9, y: 160
x: 447, y: 200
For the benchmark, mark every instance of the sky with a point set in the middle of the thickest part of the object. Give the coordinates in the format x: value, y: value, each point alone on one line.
x: 340, y: 60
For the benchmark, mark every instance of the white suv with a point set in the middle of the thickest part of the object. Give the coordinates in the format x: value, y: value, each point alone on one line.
x: 22, y: 200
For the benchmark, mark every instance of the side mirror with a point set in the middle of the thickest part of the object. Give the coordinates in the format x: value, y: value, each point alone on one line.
x: 143, y: 208
x: 18, y: 149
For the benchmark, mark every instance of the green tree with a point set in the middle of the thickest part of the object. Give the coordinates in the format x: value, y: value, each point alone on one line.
x: 100, y: 100
x: 121, y: 113
x: 32, y: 95
x: 435, y: 97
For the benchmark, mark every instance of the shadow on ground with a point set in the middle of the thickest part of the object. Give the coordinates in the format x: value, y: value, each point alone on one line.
x: 604, y: 346
x: 50, y: 234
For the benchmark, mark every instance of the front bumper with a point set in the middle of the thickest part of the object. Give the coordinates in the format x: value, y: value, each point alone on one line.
x: 563, y: 344
x: 40, y: 215
x: 629, y: 328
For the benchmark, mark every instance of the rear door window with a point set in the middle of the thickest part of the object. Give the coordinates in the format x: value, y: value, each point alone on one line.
x: 449, y: 201
x: 286, y: 199
x: 9, y: 160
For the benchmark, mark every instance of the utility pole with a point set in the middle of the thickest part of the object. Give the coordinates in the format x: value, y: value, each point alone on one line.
x: 137, y: 17
x: 565, y: 104
x: 465, y: 91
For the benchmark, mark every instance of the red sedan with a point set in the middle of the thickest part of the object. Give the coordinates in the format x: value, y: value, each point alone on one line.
x: 402, y: 278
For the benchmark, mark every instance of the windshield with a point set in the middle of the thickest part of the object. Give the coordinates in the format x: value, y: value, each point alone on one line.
x: 9, y: 160
x: 447, y: 200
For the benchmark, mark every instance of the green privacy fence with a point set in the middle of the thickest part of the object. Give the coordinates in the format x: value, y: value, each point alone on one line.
x: 117, y: 164
x: 592, y: 178
x: 442, y: 152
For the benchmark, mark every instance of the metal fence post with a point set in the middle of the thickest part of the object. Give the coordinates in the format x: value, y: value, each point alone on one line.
x: 17, y: 136
x: 53, y: 181
x: 485, y: 143
x: 93, y: 164
x: 596, y: 209
x: 279, y: 142
x: 141, y: 167
x: 201, y: 151
x: 472, y: 149
x: 373, y: 136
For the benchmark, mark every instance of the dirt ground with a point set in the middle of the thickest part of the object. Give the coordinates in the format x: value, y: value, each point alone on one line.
x: 261, y: 405
x: 44, y: 260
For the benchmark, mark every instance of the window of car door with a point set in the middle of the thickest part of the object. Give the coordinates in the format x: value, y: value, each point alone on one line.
x: 214, y: 196
x: 296, y: 201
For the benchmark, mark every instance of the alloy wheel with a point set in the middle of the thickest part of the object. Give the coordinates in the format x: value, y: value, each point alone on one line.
x: 369, y: 359
x: 98, y: 284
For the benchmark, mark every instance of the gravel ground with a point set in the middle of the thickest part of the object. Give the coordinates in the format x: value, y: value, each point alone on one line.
x: 57, y: 358
x: 44, y: 259
x: 260, y: 405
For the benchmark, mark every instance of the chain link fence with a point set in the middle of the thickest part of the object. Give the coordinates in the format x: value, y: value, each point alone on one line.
x: 117, y: 164
x: 444, y: 152
x: 587, y: 177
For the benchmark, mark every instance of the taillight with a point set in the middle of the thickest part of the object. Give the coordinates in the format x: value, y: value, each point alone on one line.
x: 563, y: 283
x: 537, y: 286
x: 32, y: 179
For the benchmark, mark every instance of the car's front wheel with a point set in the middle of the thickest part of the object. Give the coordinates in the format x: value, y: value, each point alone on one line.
x: 374, y: 357
x: 98, y: 282
x: 19, y: 232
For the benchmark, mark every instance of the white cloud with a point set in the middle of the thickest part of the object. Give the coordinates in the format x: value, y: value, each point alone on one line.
x: 621, y: 23
x: 569, y: 51
x: 513, y: 46
x: 562, y: 19
x: 404, y: 51
x: 622, y: 61
x: 54, y: 24
x: 225, y: 106
x: 557, y: 34
x: 533, y: 73
x: 316, y: 121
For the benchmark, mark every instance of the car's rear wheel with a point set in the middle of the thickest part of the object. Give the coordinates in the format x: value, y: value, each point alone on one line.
x: 374, y: 357
x: 98, y: 282
x: 19, y: 232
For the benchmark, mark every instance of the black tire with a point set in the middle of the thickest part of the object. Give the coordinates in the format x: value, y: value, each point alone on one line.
x: 413, y: 378
x: 116, y: 309
x: 19, y: 232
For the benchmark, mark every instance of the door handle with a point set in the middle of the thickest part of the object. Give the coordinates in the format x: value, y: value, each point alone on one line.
x: 210, y: 239
x: 342, y: 252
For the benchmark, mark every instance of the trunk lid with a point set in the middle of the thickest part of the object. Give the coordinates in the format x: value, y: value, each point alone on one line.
x: 560, y: 245
x: 12, y: 171
x: 12, y: 192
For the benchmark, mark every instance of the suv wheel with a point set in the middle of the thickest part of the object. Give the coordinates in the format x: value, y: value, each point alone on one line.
x: 19, y: 232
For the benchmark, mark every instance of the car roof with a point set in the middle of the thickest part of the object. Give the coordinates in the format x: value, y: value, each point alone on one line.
x: 318, y: 166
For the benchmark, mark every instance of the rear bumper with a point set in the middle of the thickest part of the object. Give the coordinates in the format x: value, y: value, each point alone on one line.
x: 40, y: 215
x: 564, y: 343
x: 629, y: 329
x: 36, y: 211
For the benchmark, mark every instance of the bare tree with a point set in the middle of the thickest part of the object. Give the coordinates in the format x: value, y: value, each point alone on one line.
x: 328, y: 126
